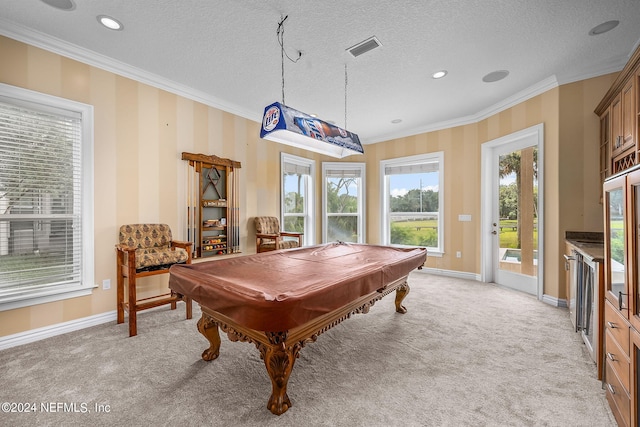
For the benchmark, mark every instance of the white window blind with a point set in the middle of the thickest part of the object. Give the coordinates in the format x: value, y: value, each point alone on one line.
x: 411, y: 168
x: 296, y: 169
x: 40, y: 197
x: 343, y: 173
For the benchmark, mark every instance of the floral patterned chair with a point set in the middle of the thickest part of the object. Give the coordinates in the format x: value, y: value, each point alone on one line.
x: 269, y: 237
x: 146, y: 250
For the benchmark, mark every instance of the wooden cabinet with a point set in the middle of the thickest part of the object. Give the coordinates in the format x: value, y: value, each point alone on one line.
x: 619, y: 116
x: 616, y: 126
x: 212, y: 211
x: 634, y: 338
x: 616, y: 283
x: 605, y: 145
x: 628, y: 128
x: 622, y: 294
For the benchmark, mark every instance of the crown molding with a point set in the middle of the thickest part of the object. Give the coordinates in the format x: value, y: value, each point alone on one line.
x: 528, y: 93
x: 72, y: 51
x: 86, y: 56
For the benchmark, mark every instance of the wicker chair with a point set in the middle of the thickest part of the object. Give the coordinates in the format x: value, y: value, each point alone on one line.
x: 146, y: 250
x: 270, y: 238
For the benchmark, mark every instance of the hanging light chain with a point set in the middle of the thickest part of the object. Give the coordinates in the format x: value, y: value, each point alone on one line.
x: 280, y: 33
x: 345, y: 95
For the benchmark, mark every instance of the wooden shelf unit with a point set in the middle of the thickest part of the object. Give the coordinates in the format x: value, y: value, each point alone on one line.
x: 212, y: 210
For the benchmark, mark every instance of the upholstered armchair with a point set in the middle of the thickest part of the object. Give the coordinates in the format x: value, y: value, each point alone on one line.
x: 146, y: 250
x: 270, y: 238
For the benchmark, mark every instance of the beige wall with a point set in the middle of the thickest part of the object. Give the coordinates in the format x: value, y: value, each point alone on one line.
x: 572, y: 188
x: 140, y: 132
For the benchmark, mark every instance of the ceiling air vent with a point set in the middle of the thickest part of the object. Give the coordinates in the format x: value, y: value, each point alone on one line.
x: 364, y: 46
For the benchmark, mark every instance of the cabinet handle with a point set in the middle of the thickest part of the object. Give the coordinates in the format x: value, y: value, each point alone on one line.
x: 611, y: 388
x: 611, y: 357
x: 620, y: 294
x: 611, y: 325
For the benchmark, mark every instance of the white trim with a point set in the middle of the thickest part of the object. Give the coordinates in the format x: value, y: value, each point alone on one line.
x: 17, y: 299
x: 547, y: 299
x: 86, y: 56
x: 384, y: 190
x: 57, y: 329
x: 43, y: 296
x: 528, y: 93
x: 450, y: 273
x: 61, y: 47
x: 362, y: 203
x: 554, y: 301
x: 310, y: 220
x: 487, y: 150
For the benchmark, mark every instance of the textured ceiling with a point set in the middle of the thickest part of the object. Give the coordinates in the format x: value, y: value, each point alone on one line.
x: 226, y: 53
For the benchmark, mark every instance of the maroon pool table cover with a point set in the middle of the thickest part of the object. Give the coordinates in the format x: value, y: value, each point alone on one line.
x: 280, y: 290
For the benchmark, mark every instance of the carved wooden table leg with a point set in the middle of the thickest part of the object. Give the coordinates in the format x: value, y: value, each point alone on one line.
x: 401, y: 292
x: 209, y: 328
x: 279, y: 359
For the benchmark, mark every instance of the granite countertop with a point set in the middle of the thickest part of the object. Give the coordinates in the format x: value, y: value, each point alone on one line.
x: 589, y: 244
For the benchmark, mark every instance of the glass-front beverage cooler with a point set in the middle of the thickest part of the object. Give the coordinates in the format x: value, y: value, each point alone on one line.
x: 615, y: 243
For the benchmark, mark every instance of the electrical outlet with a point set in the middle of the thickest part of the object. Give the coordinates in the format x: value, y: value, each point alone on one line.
x: 458, y: 254
x: 106, y: 284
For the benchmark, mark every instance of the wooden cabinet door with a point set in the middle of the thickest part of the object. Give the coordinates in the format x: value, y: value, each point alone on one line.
x: 616, y: 126
x: 615, y: 244
x: 628, y: 115
x: 605, y: 145
x: 633, y: 246
x: 635, y: 377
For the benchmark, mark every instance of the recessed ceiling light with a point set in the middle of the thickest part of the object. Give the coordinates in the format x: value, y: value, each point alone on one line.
x: 110, y: 23
x: 495, y: 76
x: 439, y: 74
x: 603, y: 28
x: 396, y: 121
x: 61, y: 4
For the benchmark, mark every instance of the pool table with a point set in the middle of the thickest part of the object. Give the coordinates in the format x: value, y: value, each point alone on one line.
x: 282, y: 300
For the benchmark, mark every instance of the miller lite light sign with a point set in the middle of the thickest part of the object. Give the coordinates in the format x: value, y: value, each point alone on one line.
x: 292, y: 127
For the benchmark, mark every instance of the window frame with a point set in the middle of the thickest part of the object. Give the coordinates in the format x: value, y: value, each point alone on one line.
x: 384, y: 197
x: 309, y: 206
x: 12, y: 299
x: 345, y: 166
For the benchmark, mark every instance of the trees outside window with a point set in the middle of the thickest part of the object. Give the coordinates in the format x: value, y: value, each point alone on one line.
x: 413, y: 201
x: 343, y: 201
x: 45, y: 198
x: 297, y: 196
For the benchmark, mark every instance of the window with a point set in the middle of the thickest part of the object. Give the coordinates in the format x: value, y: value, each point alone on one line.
x: 46, y: 205
x: 412, y: 203
x: 297, y: 196
x: 343, y: 202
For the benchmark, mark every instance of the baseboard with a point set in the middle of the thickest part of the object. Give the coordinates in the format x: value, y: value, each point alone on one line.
x: 554, y: 301
x: 547, y: 299
x: 57, y: 329
x: 451, y: 273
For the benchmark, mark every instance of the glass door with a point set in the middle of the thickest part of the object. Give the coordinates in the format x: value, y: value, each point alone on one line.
x: 633, y: 233
x: 616, y: 281
x: 516, y: 227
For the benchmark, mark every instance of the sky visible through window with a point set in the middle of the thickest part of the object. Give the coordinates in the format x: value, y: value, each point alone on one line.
x: 401, y: 184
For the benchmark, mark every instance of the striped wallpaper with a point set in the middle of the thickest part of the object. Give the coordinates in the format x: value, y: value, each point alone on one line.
x: 140, y: 132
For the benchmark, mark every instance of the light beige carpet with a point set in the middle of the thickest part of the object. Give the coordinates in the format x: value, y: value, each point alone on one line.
x: 465, y: 354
